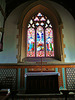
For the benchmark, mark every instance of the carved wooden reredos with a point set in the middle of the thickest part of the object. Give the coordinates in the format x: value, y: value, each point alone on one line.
x: 56, y: 21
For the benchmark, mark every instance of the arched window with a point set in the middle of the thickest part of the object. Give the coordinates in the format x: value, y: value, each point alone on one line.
x: 40, y: 42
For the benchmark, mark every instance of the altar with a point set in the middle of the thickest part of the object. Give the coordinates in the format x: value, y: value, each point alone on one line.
x: 42, y: 82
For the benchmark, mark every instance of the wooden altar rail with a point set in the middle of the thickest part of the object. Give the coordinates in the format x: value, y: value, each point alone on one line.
x: 37, y: 66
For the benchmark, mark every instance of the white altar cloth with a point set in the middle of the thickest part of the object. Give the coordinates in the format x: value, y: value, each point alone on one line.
x: 41, y: 73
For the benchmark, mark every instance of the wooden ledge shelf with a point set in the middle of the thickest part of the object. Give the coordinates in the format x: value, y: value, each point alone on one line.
x: 37, y: 66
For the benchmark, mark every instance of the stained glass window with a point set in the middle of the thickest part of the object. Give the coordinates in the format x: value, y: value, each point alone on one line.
x: 40, y: 37
x: 39, y: 14
x: 37, y: 24
x: 36, y: 19
x: 42, y: 19
x: 49, y: 42
x: 40, y: 42
x: 31, y: 42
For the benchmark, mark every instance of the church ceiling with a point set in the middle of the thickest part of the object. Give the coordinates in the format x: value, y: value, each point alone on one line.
x: 68, y: 4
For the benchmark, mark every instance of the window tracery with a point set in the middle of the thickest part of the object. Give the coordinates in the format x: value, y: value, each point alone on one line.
x: 40, y: 37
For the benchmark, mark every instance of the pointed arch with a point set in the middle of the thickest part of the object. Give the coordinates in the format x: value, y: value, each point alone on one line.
x: 56, y: 21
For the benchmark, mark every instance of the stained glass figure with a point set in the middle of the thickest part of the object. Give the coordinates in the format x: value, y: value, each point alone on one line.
x: 40, y: 42
x: 49, y: 42
x: 31, y: 42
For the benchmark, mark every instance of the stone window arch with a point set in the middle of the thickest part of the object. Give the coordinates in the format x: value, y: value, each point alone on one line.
x: 57, y: 25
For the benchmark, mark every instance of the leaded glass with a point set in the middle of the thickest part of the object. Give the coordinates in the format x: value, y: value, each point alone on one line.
x: 33, y: 26
x: 39, y: 14
x: 31, y: 42
x: 40, y: 42
x: 50, y: 25
x: 36, y: 19
x: 49, y: 42
x: 42, y: 24
x: 37, y: 24
x: 31, y: 21
x: 40, y: 37
x: 29, y: 26
x: 46, y: 26
x: 42, y: 19
x: 48, y: 21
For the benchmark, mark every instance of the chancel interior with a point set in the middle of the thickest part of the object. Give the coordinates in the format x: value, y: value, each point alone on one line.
x: 37, y: 50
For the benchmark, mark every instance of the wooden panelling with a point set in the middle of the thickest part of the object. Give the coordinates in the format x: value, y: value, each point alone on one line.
x: 22, y: 78
x: 60, y: 77
x: 43, y: 69
x: 36, y: 68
